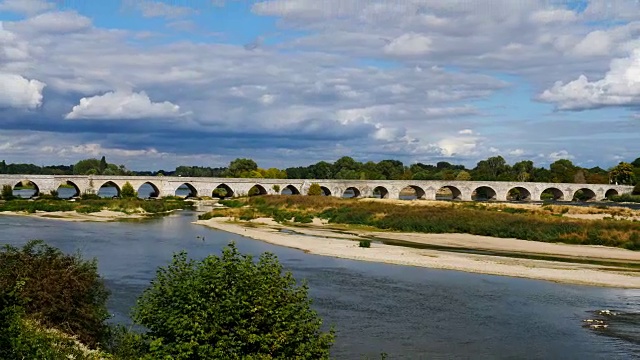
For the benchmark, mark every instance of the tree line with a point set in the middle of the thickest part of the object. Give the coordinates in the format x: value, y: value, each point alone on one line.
x: 494, y: 168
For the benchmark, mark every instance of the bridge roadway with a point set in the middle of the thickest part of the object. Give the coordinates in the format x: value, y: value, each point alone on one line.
x: 201, y: 186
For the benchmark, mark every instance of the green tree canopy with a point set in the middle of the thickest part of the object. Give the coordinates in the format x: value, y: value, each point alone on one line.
x: 241, y: 167
x: 622, y: 174
x: 314, y: 190
x: 230, y: 307
x: 562, y: 171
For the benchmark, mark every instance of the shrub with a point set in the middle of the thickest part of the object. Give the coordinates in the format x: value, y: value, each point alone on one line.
x: 7, y: 192
x: 128, y: 191
x: 232, y: 203
x: 230, y: 307
x: 90, y: 196
x: 60, y: 291
x: 276, y: 188
x: 314, y: 190
x: 365, y: 243
x: 303, y: 218
x: 636, y: 189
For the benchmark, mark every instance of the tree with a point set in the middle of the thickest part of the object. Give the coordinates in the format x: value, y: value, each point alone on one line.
x: 241, y: 167
x: 60, y: 291
x: 636, y: 189
x: 562, y: 171
x: 103, y: 165
x: 7, y: 192
x: 490, y: 169
x: 523, y: 170
x: 87, y: 166
x: 463, y: 176
x: 230, y: 307
x: 314, y: 190
x: 622, y: 174
x: 128, y: 191
x: 636, y: 163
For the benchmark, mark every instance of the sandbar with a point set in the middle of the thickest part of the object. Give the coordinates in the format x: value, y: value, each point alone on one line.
x: 319, y: 239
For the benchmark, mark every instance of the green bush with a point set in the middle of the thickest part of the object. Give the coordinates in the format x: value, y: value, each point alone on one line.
x: 230, y: 307
x: 128, y: 191
x: 276, y: 188
x: 59, y: 291
x: 314, y: 190
x: 636, y: 189
x: 7, y: 192
x: 232, y: 203
x: 365, y: 243
x: 90, y: 196
x: 303, y: 218
x: 625, y: 198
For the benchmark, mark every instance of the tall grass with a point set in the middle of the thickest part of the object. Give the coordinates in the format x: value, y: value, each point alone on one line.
x: 469, y: 219
x: 129, y: 205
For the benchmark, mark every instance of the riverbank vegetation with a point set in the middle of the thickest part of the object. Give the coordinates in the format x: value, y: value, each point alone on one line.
x: 92, y: 204
x: 546, y: 224
x: 53, y: 306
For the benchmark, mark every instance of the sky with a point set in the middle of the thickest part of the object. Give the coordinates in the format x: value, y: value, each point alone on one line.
x: 154, y: 84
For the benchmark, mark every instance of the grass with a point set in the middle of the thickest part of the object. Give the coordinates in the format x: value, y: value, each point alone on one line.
x: 625, y: 198
x: 546, y: 225
x: 91, y: 205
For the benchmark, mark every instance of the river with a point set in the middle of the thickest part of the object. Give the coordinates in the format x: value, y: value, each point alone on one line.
x: 407, y: 312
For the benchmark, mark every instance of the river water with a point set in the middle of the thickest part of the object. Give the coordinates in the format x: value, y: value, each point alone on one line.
x: 407, y: 312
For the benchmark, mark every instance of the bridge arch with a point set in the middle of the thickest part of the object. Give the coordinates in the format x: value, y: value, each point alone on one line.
x: 551, y: 193
x: 380, y: 192
x: 519, y: 193
x: 109, y: 189
x: 26, y: 189
x: 148, y: 190
x: 448, y: 192
x: 483, y: 193
x: 351, y: 192
x: 584, y: 194
x: 411, y: 192
x: 325, y: 191
x: 67, y: 190
x: 222, y: 191
x: 257, y: 190
x: 290, y: 190
x: 611, y: 192
x: 186, y: 190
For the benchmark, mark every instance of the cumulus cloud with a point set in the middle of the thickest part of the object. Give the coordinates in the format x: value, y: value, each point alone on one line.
x: 122, y: 105
x: 560, y: 155
x: 152, y: 9
x: 59, y: 22
x: 619, y: 87
x: 19, y: 92
x: 28, y: 7
x: 410, y: 44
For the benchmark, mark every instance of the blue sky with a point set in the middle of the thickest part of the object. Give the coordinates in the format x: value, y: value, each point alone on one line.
x: 154, y: 84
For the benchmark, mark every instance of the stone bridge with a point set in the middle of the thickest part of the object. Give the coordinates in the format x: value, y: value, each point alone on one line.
x: 200, y: 186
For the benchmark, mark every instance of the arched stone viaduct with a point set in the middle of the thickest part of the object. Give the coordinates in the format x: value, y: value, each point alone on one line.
x: 200, y: 186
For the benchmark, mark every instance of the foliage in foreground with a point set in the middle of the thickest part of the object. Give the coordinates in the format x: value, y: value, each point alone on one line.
x: 57, y: 290
x: 21, y: 338
x: 226, y: 307
x: 469, y: 219
x: 230, y: 307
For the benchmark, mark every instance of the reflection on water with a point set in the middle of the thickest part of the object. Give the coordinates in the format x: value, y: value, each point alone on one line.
x: 408, y: 312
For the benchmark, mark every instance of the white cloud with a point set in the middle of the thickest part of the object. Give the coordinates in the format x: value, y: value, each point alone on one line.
x: 59, y: 22
x: 560, y: 155
x: 596, y: 43
x: 150, y: 9
x: 547, y: 16
x: 410, y: 44
x: 619, y: 87
x: 28, y: 7
x: 516, y: 152
x: 19, y: 92
x: 465, y: 132
x: 438, y: 112
x: 122, y: 105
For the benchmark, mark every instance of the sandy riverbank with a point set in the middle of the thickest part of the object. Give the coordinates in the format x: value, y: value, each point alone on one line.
x: 100, y: 216
x: 321, y: 240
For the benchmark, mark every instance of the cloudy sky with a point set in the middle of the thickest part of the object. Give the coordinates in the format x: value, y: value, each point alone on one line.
x: 153, y: 84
